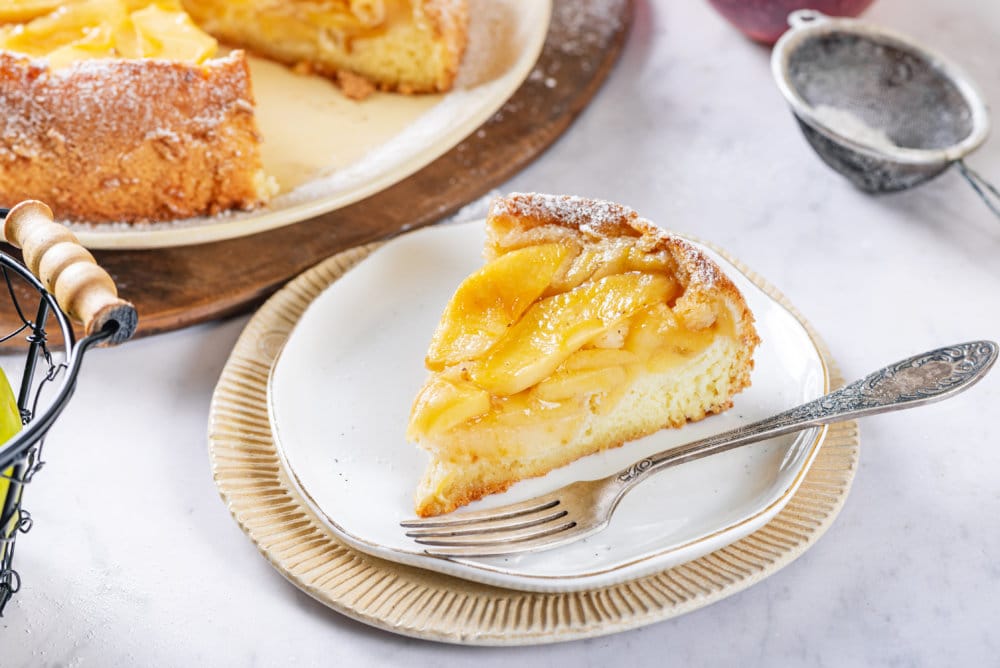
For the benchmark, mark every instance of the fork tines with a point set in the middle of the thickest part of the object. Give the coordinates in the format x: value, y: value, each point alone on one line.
x: 516, y: 528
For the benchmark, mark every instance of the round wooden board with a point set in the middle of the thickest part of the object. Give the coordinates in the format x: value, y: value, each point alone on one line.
x: 177, y: 287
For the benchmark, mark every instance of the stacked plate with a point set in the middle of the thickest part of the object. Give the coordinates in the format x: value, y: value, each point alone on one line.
x: 308, y: 451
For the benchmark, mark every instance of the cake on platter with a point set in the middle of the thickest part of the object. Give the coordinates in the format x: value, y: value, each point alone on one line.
x: 126, y: 110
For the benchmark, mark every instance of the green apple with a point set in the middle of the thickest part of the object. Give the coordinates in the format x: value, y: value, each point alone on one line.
x: 10, y: 424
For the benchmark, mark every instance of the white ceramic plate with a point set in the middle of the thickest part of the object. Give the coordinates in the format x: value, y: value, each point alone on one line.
x: 327, y: 151
x: 340, y: 394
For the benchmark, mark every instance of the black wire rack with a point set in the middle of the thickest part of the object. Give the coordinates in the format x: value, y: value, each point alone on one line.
x: 43, y: 386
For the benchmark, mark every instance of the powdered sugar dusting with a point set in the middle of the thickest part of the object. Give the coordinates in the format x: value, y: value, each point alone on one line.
x: 126, y: 139
x: 600, y: 219
x: 95, y: 85
x: 591, y: 216
x: 848, y: 124
x: 492, y: 40
x: 586, y: 25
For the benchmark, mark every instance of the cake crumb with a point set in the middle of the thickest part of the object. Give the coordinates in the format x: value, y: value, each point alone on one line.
x: 354, y: 86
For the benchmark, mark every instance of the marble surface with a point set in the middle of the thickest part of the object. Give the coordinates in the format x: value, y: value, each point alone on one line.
x: 135, y: 561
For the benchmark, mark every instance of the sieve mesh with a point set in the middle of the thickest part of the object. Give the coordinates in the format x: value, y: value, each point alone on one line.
x: 878, y: 108
x: 892, y: 90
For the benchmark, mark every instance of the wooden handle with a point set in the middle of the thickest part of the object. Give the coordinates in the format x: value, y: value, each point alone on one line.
x: 83, y: 290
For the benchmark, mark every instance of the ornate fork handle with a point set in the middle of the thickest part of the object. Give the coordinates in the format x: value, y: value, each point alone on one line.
x: 915, y: 381
x: 584, y: 507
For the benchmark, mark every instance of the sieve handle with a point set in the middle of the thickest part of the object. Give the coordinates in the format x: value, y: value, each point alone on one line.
x: 986, y: 190
x: 805, y: 17
x: 84, y: 290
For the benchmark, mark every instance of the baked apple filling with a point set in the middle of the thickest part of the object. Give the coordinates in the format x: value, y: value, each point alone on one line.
x: 336, y: 22
x: 67, y: 32
x: 541, y: 335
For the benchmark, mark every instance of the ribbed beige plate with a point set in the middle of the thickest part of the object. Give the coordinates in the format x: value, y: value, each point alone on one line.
x: 419, y: 603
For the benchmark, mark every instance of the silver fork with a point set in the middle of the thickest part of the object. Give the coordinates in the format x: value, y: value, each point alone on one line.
x: 584, y: 508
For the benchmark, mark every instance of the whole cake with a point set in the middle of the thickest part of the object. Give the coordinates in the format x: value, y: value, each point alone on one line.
x: 121, y: 110
x: 587, y: 327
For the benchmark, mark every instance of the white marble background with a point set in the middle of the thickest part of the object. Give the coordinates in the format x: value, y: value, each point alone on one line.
x: 134, y: 561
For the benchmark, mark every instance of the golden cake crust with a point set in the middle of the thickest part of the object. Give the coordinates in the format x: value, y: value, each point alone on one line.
x: 129, y: 140
x: 450, y: 19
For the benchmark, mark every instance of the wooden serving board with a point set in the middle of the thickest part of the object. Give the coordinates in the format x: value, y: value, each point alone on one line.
x: 177, y: 287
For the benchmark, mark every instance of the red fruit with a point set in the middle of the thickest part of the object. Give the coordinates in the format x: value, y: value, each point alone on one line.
x: 766, y: 20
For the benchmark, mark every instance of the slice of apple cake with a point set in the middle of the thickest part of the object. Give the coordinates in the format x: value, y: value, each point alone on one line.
x: 587, y: 327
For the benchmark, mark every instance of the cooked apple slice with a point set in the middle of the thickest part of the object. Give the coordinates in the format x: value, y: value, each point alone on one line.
x: 649, y: 329
x: 63, y: 27
x: 585, y: 373
x: 580, y: 383
x: 597, y: 358
x: 490, y: 301
x: 170, y: 33
x: 556, y: 327
x: 15, y: 11
x: 112, y: 28
x: 446, y: 402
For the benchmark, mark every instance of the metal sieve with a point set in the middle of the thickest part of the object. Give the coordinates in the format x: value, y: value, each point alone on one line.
x: 883, y: 111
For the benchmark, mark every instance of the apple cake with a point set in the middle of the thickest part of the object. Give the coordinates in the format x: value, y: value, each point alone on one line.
x: 587, y: 327
x: 117, y: 110
x: 122, y: 110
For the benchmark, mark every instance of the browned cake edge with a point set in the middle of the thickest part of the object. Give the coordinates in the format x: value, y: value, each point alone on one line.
x: 450, y: 19
x: 130, y: 140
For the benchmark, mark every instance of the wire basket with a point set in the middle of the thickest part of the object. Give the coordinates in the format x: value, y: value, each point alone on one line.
x: 61, y: 281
